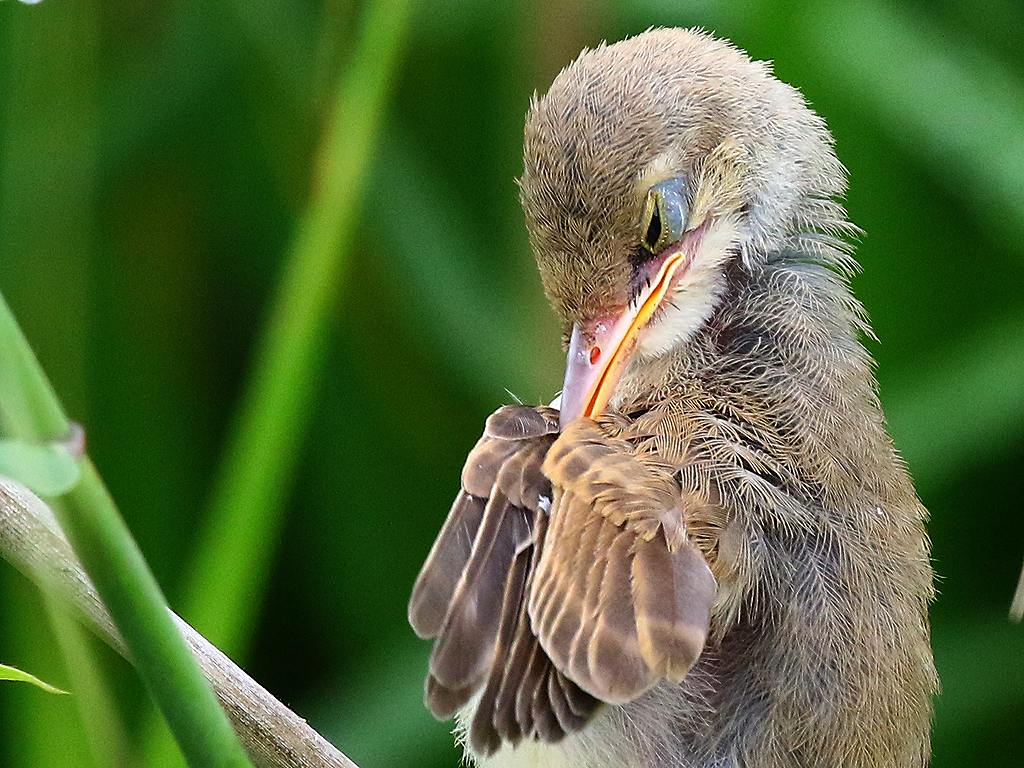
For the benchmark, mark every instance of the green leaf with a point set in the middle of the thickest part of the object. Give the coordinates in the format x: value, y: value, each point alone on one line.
x: 248, y: 500
x: 48, y: 469
x: 12, y: 673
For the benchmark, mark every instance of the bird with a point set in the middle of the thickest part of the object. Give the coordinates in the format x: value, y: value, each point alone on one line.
x: 707, y: 552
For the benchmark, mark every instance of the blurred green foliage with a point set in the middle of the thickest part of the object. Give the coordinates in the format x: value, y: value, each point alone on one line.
x: 156, y: 163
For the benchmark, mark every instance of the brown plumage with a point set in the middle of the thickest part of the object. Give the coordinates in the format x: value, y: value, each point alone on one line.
x: 713, y: 555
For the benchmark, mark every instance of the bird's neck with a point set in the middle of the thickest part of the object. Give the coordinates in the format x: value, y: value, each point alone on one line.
x: 785, y: 341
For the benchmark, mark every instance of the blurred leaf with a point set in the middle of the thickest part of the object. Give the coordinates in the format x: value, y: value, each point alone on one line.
x: 48, y: 227
x: 387, y: 688
x: 982, y: 676
x: 238, y: 540
x: 12, y: 673
x: 484, y: 330
x: 100, y: 718
x: 935, y: 94
x: 48, y: 470
x: 963, y: 407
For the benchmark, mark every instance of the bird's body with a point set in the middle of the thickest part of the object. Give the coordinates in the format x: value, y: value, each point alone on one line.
x: 813, y: 532
x: 744, y: 441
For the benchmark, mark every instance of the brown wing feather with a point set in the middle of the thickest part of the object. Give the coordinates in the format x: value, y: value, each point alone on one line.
x: 520, y: 654
x: 555, y: 601
x: 516, y: 422
x: 621, y: 599
x: 556, y: 702
x: 464, y: 649
x: 545, y: 614
x: 578, y: 665
x: 617, y: 672
x: 545, y: 721
x: 443, y: 568
x: 672, y: 592
x: 445, y: 702
x: 581, y: 704
x: 484, y: 737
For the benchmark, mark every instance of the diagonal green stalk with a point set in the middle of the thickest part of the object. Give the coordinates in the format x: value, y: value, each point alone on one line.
x: 116, y: 566
x: 245, y: 513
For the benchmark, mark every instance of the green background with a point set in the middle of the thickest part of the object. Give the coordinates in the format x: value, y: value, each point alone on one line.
x: 156, y: 160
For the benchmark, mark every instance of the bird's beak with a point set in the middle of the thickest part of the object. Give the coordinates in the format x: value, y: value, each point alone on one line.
x: 601, y: 348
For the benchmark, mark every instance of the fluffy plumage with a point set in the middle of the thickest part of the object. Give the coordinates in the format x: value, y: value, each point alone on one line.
x: 733, y: 559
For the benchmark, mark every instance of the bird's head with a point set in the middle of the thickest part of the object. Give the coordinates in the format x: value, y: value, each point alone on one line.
x: 651, y: 167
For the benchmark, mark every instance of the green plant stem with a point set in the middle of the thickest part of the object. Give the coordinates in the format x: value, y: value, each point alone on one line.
x: 249, y: 492
x: 111, y: 557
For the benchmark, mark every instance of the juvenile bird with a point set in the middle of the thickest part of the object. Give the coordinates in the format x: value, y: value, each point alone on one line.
x: 709, y: 555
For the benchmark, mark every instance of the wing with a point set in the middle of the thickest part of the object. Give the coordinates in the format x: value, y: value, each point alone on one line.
x: 621, y: 599
x: 562, y: 578
x: 471, y: 593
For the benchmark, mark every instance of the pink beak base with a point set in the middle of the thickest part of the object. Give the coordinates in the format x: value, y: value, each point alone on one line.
x: 601, y: 348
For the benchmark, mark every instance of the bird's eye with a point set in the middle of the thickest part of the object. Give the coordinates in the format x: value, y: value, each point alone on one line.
x: 665, y: 213
x: 653, y: 235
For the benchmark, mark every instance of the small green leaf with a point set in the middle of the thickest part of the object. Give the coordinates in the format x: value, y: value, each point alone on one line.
x: 12, y: 673
x: 49, y: 469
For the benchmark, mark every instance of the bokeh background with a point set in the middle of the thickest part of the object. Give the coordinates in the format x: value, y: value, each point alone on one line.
x: 160, y: 166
